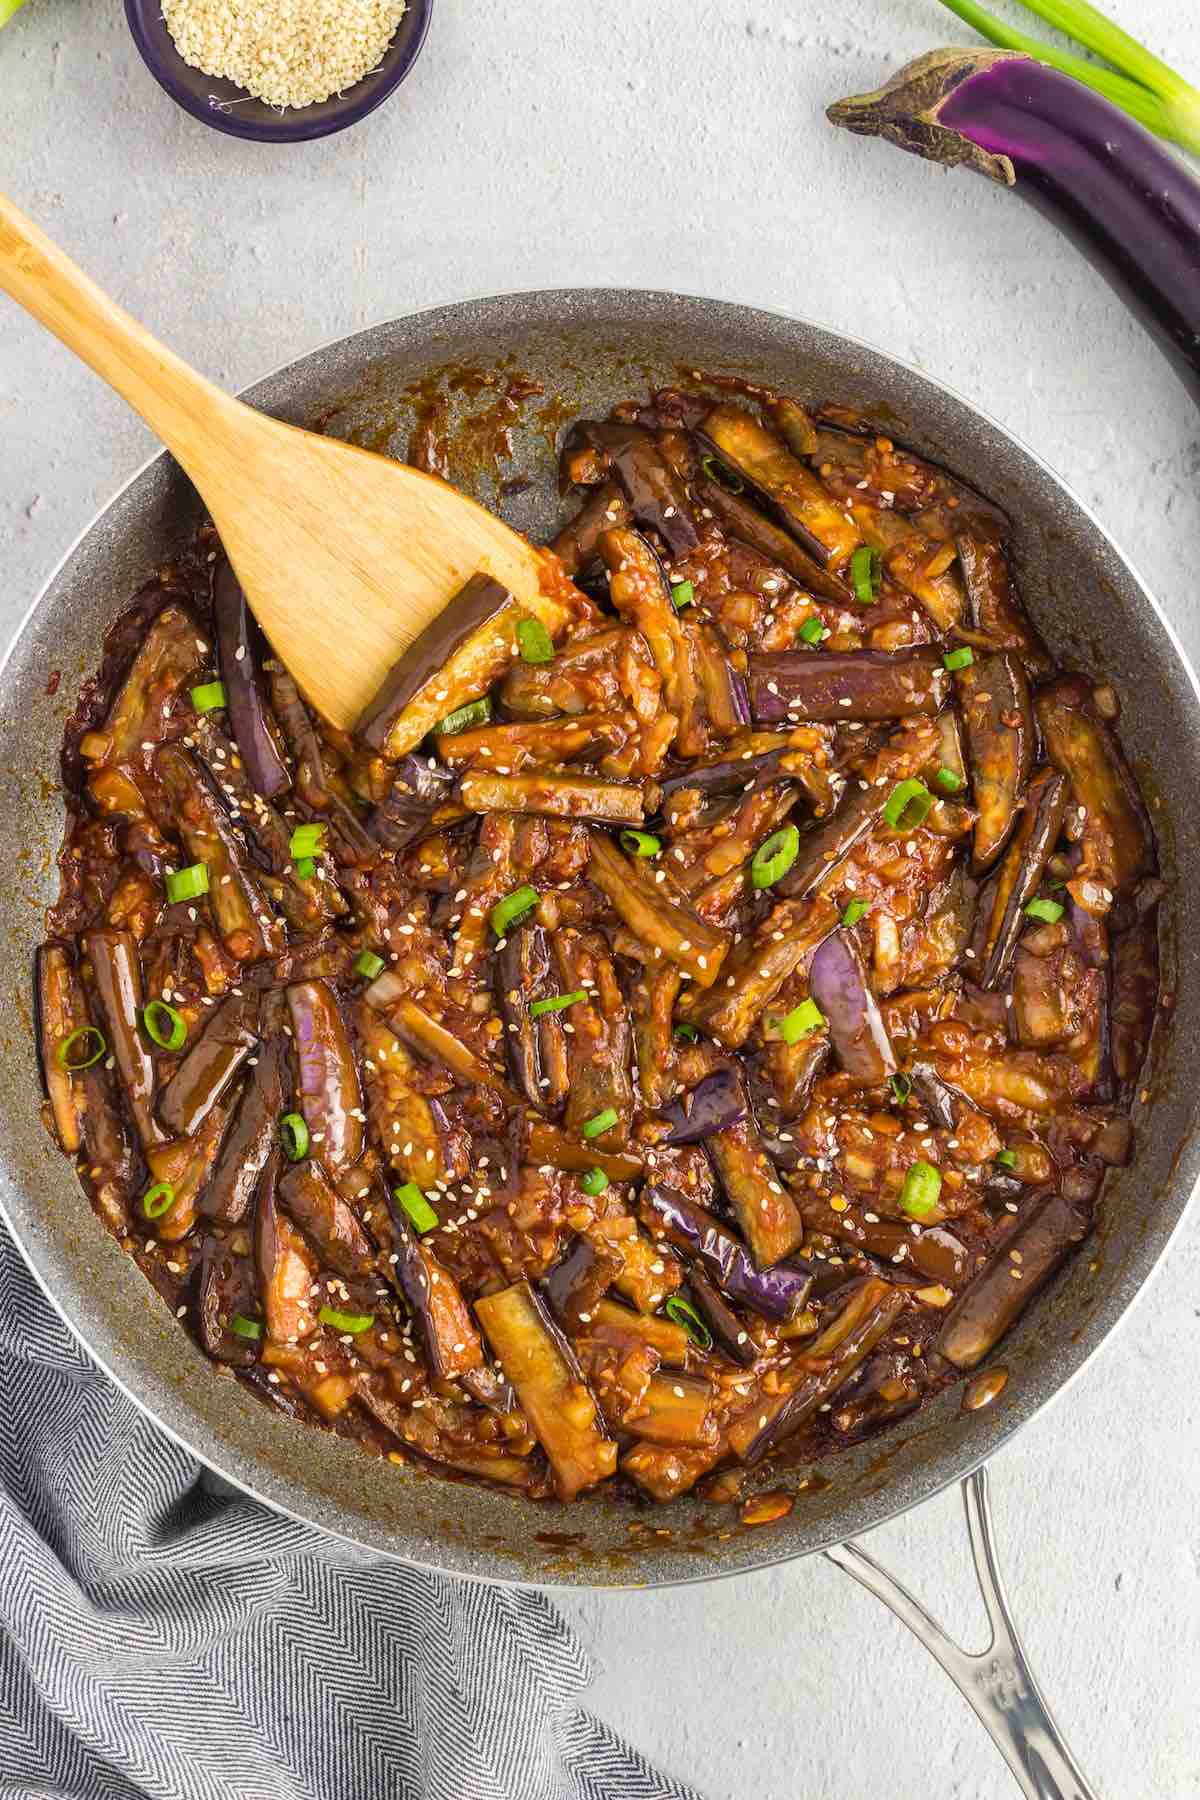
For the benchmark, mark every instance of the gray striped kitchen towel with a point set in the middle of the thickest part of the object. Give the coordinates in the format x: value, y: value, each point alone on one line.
x: 163, y: 1637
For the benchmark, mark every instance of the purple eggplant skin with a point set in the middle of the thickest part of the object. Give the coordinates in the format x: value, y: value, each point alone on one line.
x: 739, y: 518
x: 825, y: 846
x: 713, y: 1105
x: 729, y: 1334
x: 475, y: 603
x: 938, y: 1098
x: 421, y: 786
x: 837, y: 982
x: 726, y: 697
x: 579, y: 1280
x: 796, y: 687
x: 252, y: 1135
x: 60, y: 1009
x: 984, y: 1311
x: 211, y: 1065
x: 994, y: 608
x: 656, y: 496
x: 1015, y: 883
x: 225, y: 1286
x: 997, y: 711
x: 1134, y: 997
x: 1117, y: 844
x: 117, y: 978
x: 778, y: 1293
x: 575, y: 545
x: 240, y: 677
x: 330, y: 1093
x: 1125, y: 201
x: 330, y: 1225
x: 786, y: 485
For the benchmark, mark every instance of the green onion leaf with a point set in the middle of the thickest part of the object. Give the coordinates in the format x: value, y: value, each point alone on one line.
x: 687, y: 1032
x: 594, y: 1182
x: 866, y: 573
x: 685, y: 1314
x: 959, y: 659
x: 799, y: 1022
x: 347, y: 1323
x: 919, y: 1195
x: 772, y: 860
x: 1048, y: 911
x: 600, y: 1122
x: 294, y: 1132
x: 537, y: 646
x: 948, y: 781
x: 907, y: 805
x: 683, y: 593
x: 306, y: 840
x: 420, y: 1214
x: 514, y: 906
x: 556, y: 1003
x: 475, y: 712
x: 812, y: 631
x: 241, y: 1326
x: 158, y: 1199
x: 856, y: 910
x: 8, y: 8
x: 209, y: 697
x: 901, y: 1087
x: 187, y: 884
x: 641, y: 843
x: 306, y: 868
x: 1007, y: 1159
x: 74, y: 1064
x: 367, y: 964
x: 167, y: 1027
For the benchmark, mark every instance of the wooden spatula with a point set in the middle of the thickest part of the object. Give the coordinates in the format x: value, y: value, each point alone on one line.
x: 344, y: 556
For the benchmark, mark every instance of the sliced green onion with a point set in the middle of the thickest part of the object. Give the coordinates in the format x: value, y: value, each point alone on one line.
x: 306, y: 840
x: 773, y: 859
x: 959, y: 659
x: 514, y: 906
x: 718, y: 472
x: 685, y: 1314
x: 901, y: 1087
x: 367, y: 964
x: 641, y: 843
x: 348, y: 1323
x: 948, y: 781
x: 907, y: 805
x: 866, y: 573
x: 420, y: 1213
x: 812, y: 631
x: 683, y: 593
x: 556, y: 1003
x: 158, y: 1199
x: 1048, y: 911
x: 167, y: 1027
x: 600, y: 1122
x: 475, y: 712
x: 687, y: 1032
x: 537, y: 646
x: 919, y: 1195
x: 306, y: 868
x: 241, y: 1326
x: 856, y: 910
x: 188, y: 884
x: 63, y: 1057
x: 594, y: 1182
x: 209, y: 697
x: 1007, y: 1159
x: 799, y: 1022
x: 294, y: 1131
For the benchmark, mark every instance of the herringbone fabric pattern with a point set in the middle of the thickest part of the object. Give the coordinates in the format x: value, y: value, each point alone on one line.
x: 163, y: 1637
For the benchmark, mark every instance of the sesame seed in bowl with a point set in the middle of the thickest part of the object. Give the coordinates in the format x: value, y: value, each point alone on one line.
x: 279, y: 70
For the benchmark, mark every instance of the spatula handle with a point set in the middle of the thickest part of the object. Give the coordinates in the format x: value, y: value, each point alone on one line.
x: 179, y: 405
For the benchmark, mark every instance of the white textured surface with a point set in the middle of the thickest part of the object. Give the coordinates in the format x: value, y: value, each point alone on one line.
x: 680, y: 143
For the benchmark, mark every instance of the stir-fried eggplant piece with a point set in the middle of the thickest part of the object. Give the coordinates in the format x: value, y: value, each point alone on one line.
x: 599, y: 1048
x: 211, y: 1065
x: 641, y: 594
x: 287, y: 1269
x: 668, y: 928
x: 757, y: 969
x: 550, y: 1386
x: 172, y: 654
x: 674, y: 1409
x: 430, y: 1039
x: 778, y: 1292
x: 828, y: 1363
x: 838, y: 984
x: 789, y: 488
x: 933, y: 1251
x: 726, y: 701
x: 248, y: 715
x: 482, y: 605
x: 1134, y: 996
x: 331, y: 1226
x: 117, y: 979
x: 620, y: 1325
x: 653, y: 993
x: 728, y: 1333
x: 535, y: 1047
x: 656, y: 495
x: 184, y: 1165
x: 1020, y: 875
x: 252, y: 1135
x: 740, y: 519
x: 582, y: 678
x: 225, y: 1292
x: 1117, y: 847
x: 994, y: 608
x: 545, y: 1143
x: 794, y: 424
x: 797, y: 686
x: 420, y: 795
x: 765, y: 1211
x: 791, y: 1071
x: 540, y: 744
x: 579, y: 1280
x: 448, y: 1336
x: 328, y: 1084
x: 249, y: 928
x: 61, y: 1011
x: 714, y: 1104
x: 998, y: 719
x: 316, y: 794
x: 743, y: 769
x: 575, y: 545
x: 556, y: 793
x: 410, y: 1125
x: 1014, y: 1273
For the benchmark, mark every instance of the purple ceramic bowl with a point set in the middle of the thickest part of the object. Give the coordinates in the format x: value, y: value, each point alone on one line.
x: 229, y: 108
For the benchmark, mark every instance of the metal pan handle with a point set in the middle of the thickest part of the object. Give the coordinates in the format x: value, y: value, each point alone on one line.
x: 998, y: 1681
